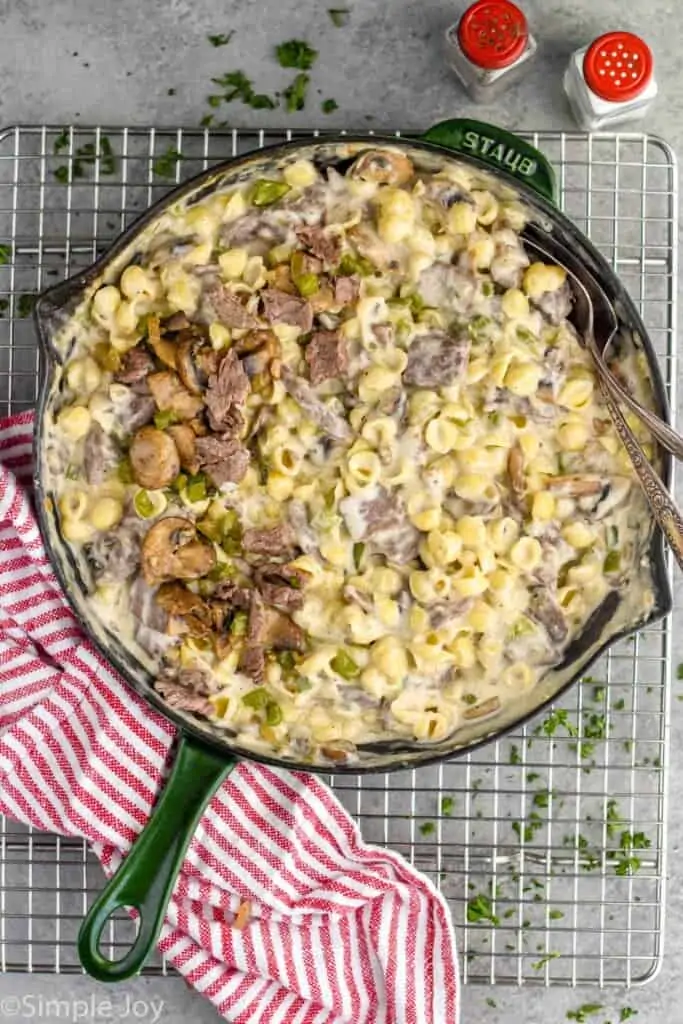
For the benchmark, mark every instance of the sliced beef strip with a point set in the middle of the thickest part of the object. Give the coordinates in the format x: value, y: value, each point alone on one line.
x: 281, y: 308
x: 227, y: 392
x: 138, y: 410
x: 326, y: 246
x: 137, y: 362
x: 233, y: 594
x: 228, y: 307
x: 253, y: 662
x: 100, y: 455
x: 327, y: 356
x: 223, y: 458
x: 379, y: 517
x: 281, y: 585
x: 185, y: 690
x: 280, y: 633
x: 277, y: 541
x: 328, y: 420
x: 252, y: 659
x: 115, y: 557
x: 253, y: 231
x: 543, y: 609
x: 346, y: 290
x: 436, y: 359
x: 305, y: 535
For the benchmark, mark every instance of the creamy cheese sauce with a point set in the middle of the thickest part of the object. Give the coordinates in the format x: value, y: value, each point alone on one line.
x: 337, y: 461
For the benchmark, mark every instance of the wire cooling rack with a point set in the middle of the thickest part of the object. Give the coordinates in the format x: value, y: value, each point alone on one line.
x: 549, y: 845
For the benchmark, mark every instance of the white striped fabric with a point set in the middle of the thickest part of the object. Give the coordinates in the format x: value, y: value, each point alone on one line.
x: 339, y: 932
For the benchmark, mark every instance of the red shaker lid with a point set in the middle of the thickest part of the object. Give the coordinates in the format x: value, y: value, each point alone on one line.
x: 618, y: 66
x: 493, y: 33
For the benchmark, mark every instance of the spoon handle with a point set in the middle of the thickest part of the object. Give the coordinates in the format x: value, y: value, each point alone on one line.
x: 664, y: 509
x: 666, y: 435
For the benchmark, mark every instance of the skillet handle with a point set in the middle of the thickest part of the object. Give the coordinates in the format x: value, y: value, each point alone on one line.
x: 498, y: 148
x: 146, y: 878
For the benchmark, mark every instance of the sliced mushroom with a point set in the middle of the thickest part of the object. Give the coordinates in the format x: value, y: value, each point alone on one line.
x: 163, y: 349
x: 184, y: 439
x: 487, y: 707
x: 195, y: 362
x: 154, y: 458
x: 515, y: 469
x: 172, y: 551
x: 544, y: 610
x: 575, y: 486
x: 171, y: 395
x: 178, y: 600
x: 385, y: 166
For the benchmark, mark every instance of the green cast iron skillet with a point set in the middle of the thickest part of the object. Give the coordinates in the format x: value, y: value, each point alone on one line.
x: 205, y: 754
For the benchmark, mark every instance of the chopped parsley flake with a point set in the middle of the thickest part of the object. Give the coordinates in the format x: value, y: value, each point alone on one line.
x: 542, y: 798
x: 165, y: 165
x: 222, y: 39
x: 338, y: 16
x: 679, y: 671
x: 25, y: 304
x: 540, y: 964
x: 447, y: 805
x: 295, y: 94
x: 628, y: 863
x: 239, y: 87
x: 515, y: 757
x: 626, y: 1013
x: 329, y: 106
x: 427, y: 828
x: 5, y: 254
x: 619, y: 705
x: 555, y: 720
x: 555, y: 915
x: 296, y: 53
x: 587, y: 1010
x: 480, y: 908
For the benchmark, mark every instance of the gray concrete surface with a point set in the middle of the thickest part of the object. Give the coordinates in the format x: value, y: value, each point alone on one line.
x: 93, y: 61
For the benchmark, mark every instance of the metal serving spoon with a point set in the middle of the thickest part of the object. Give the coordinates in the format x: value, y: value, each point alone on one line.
x: 664, y: 509
x: 584, y: 314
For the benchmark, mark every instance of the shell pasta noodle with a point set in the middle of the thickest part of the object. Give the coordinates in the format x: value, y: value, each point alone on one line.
x: 332, y: 459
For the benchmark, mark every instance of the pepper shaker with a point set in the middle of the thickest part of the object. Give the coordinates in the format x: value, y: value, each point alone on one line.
x: 610, y: 81
x: 489, y: 47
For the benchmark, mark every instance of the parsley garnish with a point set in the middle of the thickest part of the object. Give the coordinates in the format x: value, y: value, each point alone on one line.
x: 222, y: 39
x: 447, y: 805
x: 619, y: 705
x: 542, y: 798
x: 338, y: 16
x: 626, y: 1013
x: 628, y: 862
x: 165, y: 165
x: 4, y: 305
x: 587, y: 1010
x: 5, y: 254
x: 515, y: 757
x: 427, y: 828
x: 296, y: 53
x: 170, y: 92
x: 491, y: 1002
x: 555, y: 719
x: 295, y: 94
x: 329, y: 106
x: 239, y: 87
x: 25, y: 304
x: 679, y: 671
x: 480, y: 908
x: 539, y: 964
x: 555, y: 915
x: 614, y: 819
x: 84, y: 156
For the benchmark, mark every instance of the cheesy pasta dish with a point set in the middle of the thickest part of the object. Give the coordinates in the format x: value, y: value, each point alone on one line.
x: 336, y: 459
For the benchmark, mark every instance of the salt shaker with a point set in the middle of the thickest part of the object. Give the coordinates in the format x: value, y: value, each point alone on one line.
x: 489, y: 47
x: 610, y: 81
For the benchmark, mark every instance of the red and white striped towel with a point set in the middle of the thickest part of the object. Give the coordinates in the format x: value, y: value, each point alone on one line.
x: 339, y: 931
